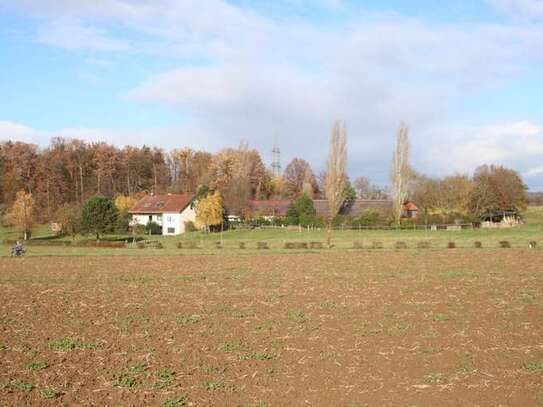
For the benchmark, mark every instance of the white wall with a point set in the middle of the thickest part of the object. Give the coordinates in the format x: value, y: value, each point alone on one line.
x: 168, y: 220
x: 189, y: 214
x: 143, y: 219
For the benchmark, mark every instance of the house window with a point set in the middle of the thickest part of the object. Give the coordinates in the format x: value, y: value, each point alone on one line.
x: 169, y: 218
x: 171, y: 230
x: 159, y: 218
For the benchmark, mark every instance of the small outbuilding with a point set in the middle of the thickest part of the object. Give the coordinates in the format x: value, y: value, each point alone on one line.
x: 410, y: 210
x: 169, y: 211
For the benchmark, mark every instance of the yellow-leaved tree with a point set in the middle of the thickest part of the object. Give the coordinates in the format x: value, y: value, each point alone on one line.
x: 209, y: 211
x: 124, y: 203
x: 22, y: 214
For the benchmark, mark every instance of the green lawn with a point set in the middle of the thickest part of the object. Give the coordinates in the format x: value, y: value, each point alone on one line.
x: 519, y: 236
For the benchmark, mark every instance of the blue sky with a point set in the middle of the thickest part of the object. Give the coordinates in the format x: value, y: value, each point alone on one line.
x: 464, y: 75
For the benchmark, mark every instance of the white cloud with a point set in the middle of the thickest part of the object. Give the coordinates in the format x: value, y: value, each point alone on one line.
x: 524, y: 9
x: 518, y: 145
x: 72, y: 34
x: 17, y: 131
x: 268, y: 77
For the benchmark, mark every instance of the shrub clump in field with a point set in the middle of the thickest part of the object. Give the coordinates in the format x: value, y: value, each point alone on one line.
x: 478, y: 245
x: 377, y: 245
x: 316, y: 245
x: 451, y: 245
x: 532, y: 245
x: 401, y: 245
x: 262, y: 245
x: 241, y: 245
x: 504, y: 244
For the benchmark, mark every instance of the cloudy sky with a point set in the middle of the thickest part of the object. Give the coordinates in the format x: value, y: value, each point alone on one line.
x: 465, y: 75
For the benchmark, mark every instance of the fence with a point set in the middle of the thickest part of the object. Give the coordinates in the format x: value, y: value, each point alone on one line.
x: 435, y: 227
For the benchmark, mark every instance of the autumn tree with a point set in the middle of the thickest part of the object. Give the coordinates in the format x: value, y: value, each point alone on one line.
x: 400, y: 172
x: 19, y: 162
x: 188, y: 169
x: 68, y: 217
x: 124, y: 203
x: 497, y: 189
x: 366, y: 190
x: 98, y: 216
x: 277, y: 187
x: 297, y: 174
x: 22, y: 214
x: 336, y: 173
x: 240, y: 175
x: 210, y: 211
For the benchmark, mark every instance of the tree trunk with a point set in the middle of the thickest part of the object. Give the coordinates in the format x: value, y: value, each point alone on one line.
x: 82, y: 189
x: 329, y: 235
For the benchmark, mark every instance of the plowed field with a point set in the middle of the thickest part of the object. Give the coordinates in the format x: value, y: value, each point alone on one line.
x: 411, y: 328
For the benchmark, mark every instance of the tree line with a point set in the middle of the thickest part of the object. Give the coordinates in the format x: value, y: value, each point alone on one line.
x: 68, y: 172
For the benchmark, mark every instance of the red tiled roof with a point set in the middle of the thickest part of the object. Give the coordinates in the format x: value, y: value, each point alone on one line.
x: 410, y: 206
x: 162, y: 203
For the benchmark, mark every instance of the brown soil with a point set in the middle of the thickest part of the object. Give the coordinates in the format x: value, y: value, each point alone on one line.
x: 439, y: 328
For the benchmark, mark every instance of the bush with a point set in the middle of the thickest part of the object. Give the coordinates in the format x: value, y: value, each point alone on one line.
x: 139, y: 229
x: 153, y: 228
x: 123, y: 222
x: 311, y: 220
x: 368, y: 219
x: 99, y: 215
x: 190, y: 226
x: 301, y: 211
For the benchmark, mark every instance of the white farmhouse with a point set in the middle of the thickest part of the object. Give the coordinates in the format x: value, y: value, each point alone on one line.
x: 169, y: 211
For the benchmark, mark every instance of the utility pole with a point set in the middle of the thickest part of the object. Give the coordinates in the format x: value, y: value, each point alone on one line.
x: 276, y: 160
